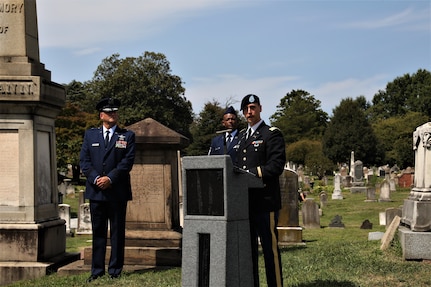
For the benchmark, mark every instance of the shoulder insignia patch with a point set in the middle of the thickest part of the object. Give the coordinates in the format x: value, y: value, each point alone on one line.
x: 274, y: 129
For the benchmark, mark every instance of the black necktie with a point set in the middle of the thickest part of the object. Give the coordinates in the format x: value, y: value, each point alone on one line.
x: 107, y: 138
x: 248, y: 134
x: 228, y: 139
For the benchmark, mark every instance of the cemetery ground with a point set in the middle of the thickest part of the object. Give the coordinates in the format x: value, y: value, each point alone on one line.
x: 330, y: 256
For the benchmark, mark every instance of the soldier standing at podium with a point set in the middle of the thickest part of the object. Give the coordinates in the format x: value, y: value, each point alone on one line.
x: 262, y: 152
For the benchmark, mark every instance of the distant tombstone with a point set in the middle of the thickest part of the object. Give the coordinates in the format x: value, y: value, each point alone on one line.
x: 64, y: 213
x: 323, y: 199
x: 336, y: 222
x: 70, y: 188
x: 382, y: 218
x: 343, y: 171
x: 346, y: 181
x: 358, y: 171
x: 365, y: 173
x: 84, y: 219
x: 62, y: 188
x: 358, y: 178
x: 366, y: 224
x: 385, y: 192
x: 289, y: 231
x: 392, y: 185
x: 371, y: 194
x: 390, y: 214
x: 337, y: 187
x: 310, y: 214
x: 378, y: 235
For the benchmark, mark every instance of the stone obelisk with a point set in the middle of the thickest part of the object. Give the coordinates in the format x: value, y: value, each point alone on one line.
x: 32, y: 235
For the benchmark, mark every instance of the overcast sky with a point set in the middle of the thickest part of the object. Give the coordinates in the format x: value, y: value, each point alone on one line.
x: 223, y: 50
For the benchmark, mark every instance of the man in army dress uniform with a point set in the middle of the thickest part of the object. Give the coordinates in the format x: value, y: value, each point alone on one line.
x: 262, y: 152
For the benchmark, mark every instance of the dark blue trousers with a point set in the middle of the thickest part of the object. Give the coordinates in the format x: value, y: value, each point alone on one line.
x: 263, y: 226
x: 103, y: 212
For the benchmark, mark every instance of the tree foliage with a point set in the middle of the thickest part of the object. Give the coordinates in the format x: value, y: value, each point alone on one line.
x: 309, y: 153
x: 349, y: 130
x: 409, y: 93
x: 299, y: 116
x: 146, y: 88
x: 395, y: 135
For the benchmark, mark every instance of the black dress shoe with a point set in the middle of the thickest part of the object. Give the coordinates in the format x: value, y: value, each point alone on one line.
x: 93, y: 277
x: 114, y: 276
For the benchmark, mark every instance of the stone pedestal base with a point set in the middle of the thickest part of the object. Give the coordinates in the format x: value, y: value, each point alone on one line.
x: 417, y: 214
x: 29, y: 251
x: 415, y: 245
x: 290, y: 236
x: 32, y: 242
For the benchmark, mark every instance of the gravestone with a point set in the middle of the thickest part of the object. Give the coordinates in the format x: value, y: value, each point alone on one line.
x: 385, y: 191
x: 84, y: 219
x: 358, y: 184
x: 323, y: 196
x: 310, y: 214
x: 336, y: 222
x: 216, y: 234
x: 371, y: 194
x: 64, y: 213
x: 32, y: 235
x: 414, y: 234
x: 366, y: 224
x: 289, y: 231
x: 390, y: 214
x: 337, y: 187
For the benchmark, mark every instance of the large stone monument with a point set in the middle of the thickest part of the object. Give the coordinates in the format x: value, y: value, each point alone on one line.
x: 414, y: 234
x: 216, y: 235
x: 32, y: 235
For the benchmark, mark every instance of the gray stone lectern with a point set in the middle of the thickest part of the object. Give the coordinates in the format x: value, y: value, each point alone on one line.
x: 32, y: 235
x: 216, y: 235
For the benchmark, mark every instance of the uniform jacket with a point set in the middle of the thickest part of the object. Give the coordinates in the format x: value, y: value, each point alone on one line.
x: 264, y: 155
x: 219, y: 147
x: 116, y: 161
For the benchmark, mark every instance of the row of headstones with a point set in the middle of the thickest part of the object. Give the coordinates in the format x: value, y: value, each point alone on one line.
x: 81, y: 224
x: 311, y: 213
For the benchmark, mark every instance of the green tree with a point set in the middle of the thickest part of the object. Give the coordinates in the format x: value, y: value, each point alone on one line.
x: 70, y: 126
x: 299, y: 116
x: 407, y: 93
x: 349, y: 130
x: 309, y: 153
x: 395, y: 136
x: 146, y: 88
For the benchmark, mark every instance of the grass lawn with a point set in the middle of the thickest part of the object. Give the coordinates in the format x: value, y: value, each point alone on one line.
x: 331, y: 256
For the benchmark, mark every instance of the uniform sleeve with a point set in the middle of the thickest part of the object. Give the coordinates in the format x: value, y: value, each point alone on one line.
x: 85, y: 160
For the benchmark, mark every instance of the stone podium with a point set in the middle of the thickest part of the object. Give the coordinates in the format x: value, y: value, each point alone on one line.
x: 32, y: 235
x: 414, y: 234
x: 216, y: 234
